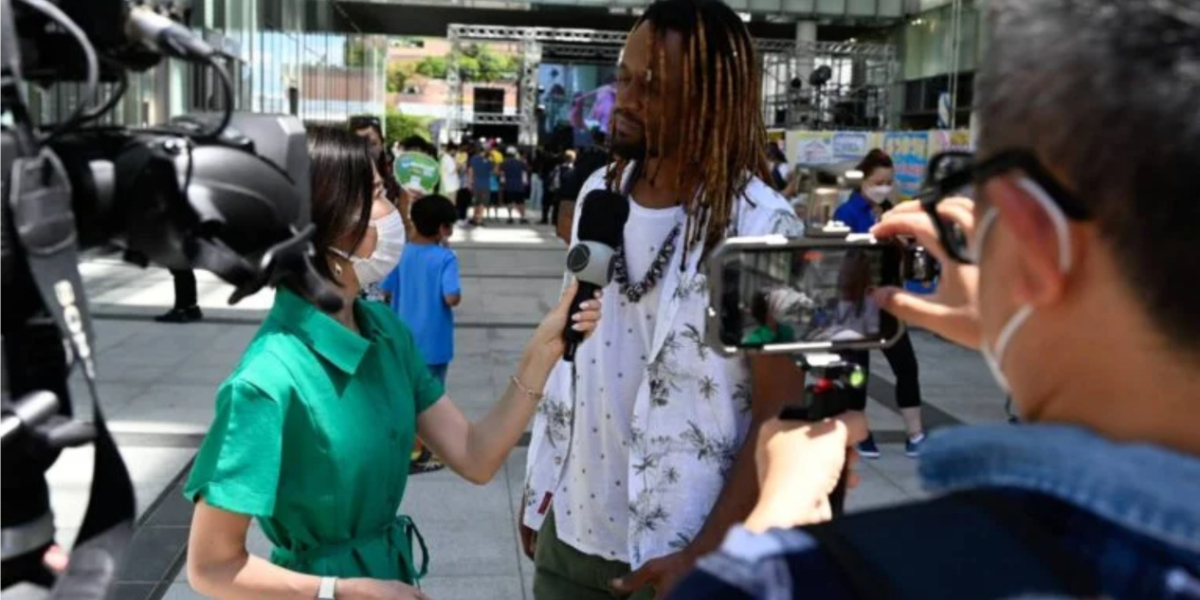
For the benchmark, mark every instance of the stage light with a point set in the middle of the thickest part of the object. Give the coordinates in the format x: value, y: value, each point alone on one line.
x: 820, y: 76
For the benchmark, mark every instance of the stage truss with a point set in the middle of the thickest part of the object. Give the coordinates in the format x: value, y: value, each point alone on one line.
x: 863, y: 76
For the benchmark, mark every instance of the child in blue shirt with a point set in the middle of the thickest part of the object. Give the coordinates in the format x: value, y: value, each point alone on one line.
x: 423, y: 289
x: 425, y: 286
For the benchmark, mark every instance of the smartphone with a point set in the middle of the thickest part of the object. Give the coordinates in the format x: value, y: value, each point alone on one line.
x: 778, y: 295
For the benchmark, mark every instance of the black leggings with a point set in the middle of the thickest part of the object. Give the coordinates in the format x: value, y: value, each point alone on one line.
x: 903, y: 360
x: 185, y: 288
x: 550, y: 208
x: 462, y: 203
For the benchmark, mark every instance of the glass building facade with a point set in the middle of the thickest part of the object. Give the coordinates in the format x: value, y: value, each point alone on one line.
x: 933, y: 46
x: 281, y: 59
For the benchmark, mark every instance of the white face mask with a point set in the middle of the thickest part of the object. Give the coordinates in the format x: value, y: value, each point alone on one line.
x: 389, y: 243
x: 994, y: 355
x: 877, y: 193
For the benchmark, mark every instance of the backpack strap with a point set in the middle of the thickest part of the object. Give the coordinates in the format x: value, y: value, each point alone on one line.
x: 976, y: 544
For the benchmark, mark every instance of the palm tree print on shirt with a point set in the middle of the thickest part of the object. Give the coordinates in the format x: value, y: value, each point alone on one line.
x: 662, y: 378
x: 696, y: 284
x: 692, y: 333
x: 558, y: 419
x: 741, y: 397
x: 710, y: 447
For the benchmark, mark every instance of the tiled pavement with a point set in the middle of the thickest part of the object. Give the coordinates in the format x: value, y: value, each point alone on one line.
x: 157, y: 383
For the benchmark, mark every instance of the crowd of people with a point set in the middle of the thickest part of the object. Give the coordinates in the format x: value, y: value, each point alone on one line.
x: 659, y: 468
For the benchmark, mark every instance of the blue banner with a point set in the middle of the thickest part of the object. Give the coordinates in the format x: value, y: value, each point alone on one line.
x: 908, y: 150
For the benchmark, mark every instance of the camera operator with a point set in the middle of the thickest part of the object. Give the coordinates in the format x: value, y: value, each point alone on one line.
x: 1086, y: 308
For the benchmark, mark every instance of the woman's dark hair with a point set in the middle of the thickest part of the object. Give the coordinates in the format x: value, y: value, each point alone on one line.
x: 430, y: 213
x: 854, y: 279
x: 386, y: 159
x: 875, y: 159
x: 760, y: 308
x: 775, y: 153
x: 342, y: 189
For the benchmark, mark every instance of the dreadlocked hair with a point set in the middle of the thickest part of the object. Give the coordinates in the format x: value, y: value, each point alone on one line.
x: 723, y: 138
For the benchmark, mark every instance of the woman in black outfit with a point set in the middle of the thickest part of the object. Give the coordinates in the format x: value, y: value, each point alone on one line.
x: 860, y: 212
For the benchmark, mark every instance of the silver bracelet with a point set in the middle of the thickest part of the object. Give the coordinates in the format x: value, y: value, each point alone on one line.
x: 532, y: 395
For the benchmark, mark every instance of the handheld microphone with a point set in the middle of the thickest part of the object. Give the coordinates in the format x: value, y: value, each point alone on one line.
x: 601, y: 228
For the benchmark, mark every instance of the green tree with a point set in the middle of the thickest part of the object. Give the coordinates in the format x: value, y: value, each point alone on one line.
x: 356, y: 52
x: 396, y: 78
x: 399, y: 126
x: 433, y: 67
x: 481, y: 63
x: 468, y: 68
x: 491, y: 66
x: 496, y: 67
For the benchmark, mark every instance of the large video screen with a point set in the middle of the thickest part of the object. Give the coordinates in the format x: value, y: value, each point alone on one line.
x: 577, y: 96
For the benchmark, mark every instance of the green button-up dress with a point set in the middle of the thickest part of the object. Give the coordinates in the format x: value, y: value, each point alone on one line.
x: 312, y: 437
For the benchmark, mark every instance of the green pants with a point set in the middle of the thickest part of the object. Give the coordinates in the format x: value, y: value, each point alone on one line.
x: 564, y: 573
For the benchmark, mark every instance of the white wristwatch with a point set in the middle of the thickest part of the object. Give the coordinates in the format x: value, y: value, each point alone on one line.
x: 328, y: 588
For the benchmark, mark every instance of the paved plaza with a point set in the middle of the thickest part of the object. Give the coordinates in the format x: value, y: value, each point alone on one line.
x: 157, y: 383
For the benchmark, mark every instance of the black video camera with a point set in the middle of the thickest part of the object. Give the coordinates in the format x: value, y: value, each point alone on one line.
x: 223, y: 192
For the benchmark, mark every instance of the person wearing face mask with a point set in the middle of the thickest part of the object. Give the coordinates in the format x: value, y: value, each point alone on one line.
x: 860, y: 213
x: 862, y: 209
x: 1077, y: 285
x: 385, y: 215
x: 312, y: 428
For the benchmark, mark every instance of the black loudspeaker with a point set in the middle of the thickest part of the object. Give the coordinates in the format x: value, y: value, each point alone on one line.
x: 489, y: 100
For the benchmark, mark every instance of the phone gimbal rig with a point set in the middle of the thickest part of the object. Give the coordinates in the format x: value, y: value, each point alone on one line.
x: 223, y: 192
x: 829, y: 379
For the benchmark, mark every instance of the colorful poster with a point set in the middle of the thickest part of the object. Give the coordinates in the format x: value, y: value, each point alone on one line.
x: 814, y: 148
x: 942, y: 140
x: 910, y: 151
x: 849, y: 145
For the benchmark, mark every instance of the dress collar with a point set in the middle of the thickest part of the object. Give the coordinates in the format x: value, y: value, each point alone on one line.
x: 323, y: 334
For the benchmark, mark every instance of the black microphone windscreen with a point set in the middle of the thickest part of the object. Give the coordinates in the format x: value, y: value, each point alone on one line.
x: 602, y: 217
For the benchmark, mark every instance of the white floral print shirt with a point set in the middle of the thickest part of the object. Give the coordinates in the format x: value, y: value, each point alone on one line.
x: 688, y: 422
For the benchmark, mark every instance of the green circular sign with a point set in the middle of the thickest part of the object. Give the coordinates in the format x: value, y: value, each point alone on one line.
x: 417, y: 172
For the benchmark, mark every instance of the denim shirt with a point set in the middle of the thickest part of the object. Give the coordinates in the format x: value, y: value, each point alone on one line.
x: 1133, y: 512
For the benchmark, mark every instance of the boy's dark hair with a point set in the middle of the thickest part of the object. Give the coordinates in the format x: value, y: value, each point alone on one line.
x: 416, y: 143
x: 430, y: 213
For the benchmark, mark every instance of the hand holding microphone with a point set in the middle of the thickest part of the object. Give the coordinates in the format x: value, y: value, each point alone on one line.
x: 601, y: 227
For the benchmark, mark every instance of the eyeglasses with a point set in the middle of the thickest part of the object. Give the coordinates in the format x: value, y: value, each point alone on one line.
x: 950, y: 173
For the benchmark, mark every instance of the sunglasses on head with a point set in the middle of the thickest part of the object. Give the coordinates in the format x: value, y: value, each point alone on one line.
x: 362, y: 122
x: 950, y: 173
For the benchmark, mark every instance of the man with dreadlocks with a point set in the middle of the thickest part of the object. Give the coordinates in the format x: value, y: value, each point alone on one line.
x: 642, y: 455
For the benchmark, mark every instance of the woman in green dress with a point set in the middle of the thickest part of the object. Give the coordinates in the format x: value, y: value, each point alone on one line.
x: 313, y: 428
